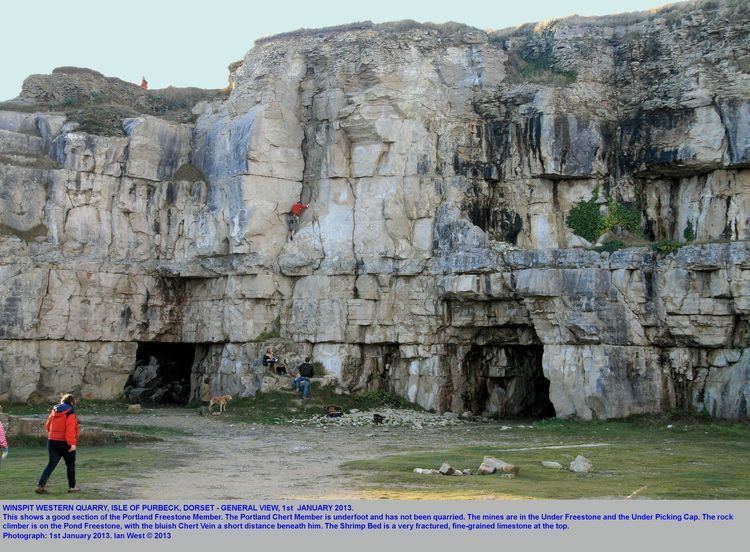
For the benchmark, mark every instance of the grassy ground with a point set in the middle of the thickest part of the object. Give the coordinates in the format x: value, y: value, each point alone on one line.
x: 83, y: 407
x: 88, y: 408
x: 695, y: 458
x: 95, y: 467
x: 691, y: 460
x: 265, y: 408
x: 277, y: 407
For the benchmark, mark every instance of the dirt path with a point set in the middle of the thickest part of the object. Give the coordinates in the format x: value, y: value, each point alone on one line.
x: 224, y: 461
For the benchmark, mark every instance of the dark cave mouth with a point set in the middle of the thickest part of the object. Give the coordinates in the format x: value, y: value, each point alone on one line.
x: 162, y: 374
x: 507, y: 381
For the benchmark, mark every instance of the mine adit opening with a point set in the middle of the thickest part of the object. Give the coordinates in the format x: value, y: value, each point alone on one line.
x: 162, y: 373
x: 506, y: 381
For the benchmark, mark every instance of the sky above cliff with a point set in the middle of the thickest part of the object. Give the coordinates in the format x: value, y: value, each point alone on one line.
x: 190, y: 43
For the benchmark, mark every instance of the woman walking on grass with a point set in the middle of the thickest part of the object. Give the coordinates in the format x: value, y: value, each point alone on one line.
x: 62, y: 431
x: 3, y: 443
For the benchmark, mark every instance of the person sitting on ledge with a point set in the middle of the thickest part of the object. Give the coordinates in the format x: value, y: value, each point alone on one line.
x: 269, y: 359
x: 302, y: 381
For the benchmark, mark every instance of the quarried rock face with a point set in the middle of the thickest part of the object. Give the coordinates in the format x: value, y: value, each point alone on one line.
x: 436, y: 258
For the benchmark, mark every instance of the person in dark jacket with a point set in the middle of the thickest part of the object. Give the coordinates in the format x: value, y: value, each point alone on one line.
x: 269, y: 359
x: 303, y: 379
x: 62, y: 434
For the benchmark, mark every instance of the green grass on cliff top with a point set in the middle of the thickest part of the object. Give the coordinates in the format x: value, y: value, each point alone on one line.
x: 691, y: 460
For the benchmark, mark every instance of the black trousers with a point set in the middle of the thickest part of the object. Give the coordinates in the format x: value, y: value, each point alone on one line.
x: 57, y: 450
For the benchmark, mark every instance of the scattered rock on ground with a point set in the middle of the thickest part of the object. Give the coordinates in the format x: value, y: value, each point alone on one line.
x: 135, y: 409
x: 393, y: 417
x: 500, y: 465
x: 581, y: 465
x: 552, y: 465
x: 447, y: 469
x: 485, y: 469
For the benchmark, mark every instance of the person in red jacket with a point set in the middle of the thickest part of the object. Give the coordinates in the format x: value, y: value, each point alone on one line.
x: 294, y: 215
x: 62, y: 432
x: 3, y: 444
x: 144, y: 83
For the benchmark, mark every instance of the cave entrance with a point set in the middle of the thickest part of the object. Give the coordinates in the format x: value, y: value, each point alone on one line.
x: 162, y: 373
x: 506, y: 381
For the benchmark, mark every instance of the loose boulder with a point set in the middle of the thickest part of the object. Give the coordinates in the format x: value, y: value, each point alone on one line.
x: 552, y: 465
x: 485, y: 469
x: 447, y: 469
x: 581, y: 465
x: 501, y: 466
x: 135, y: 409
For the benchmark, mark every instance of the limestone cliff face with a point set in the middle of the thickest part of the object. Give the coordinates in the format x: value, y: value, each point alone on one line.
x: 440, y: 164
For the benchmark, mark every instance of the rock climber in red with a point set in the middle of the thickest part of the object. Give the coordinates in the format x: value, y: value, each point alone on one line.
x: 144, y: 83
x: 294, y: 215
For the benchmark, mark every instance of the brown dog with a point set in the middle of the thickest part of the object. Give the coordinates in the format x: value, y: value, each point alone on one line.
x: 221, y: 401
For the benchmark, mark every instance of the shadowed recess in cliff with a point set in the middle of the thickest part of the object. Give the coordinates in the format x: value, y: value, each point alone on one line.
x: 162, y: 373
x: 507, y: 382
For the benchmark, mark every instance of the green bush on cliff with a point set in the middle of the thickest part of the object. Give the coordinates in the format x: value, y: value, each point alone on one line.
x: 627, y: 216
x: 585, y: 219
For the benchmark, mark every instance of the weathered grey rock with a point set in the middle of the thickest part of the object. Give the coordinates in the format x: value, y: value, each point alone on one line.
x: 156, y: 148
x: 552, y: 465
x: 434, y: 260
x: 581, y: 464
x: 486, y: 469
x: 145, y: 374
x: 500, y: 465
x: 81, y: 152
x: 447, y: 469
